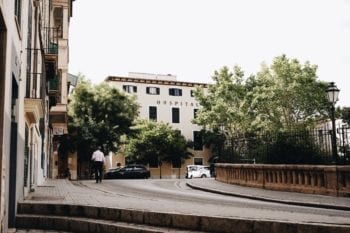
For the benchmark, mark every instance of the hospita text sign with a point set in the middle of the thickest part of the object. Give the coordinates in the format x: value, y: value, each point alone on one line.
x: 177, y: 103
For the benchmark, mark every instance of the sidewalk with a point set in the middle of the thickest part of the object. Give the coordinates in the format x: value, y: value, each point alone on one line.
x: 73, y: 192
x: 292, y: 198
x: 62, y: 193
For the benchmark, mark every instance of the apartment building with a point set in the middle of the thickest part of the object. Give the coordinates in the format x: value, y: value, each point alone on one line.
x: 33, y: 96
x: 164, y: 99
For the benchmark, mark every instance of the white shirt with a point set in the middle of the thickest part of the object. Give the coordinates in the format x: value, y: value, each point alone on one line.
x: 98, y: 156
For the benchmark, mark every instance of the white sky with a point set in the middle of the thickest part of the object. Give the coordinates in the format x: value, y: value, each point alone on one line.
x: 193, y: 38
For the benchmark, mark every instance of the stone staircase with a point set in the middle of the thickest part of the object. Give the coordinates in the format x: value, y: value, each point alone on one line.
x: 78, y: 218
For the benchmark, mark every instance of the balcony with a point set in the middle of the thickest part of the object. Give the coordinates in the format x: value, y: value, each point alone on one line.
x: 50, y: 37
x: 50, y: 40
x: 54, y: 91
x: 54, y: 85
x: 33, y: 109
x: 58, y: 117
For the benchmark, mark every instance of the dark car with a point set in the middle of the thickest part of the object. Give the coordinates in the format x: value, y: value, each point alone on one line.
x: 134, y: 171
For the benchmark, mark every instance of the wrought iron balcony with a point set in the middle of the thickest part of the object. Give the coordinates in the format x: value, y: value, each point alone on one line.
x: 50, y: 39
x: 54, y: 84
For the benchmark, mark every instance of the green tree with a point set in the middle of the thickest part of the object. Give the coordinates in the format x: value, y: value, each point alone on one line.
x: 98, y: 116
x: 222, y: 104
x: 156, y: 142
x: 282, y: 97
x: 286, y: 95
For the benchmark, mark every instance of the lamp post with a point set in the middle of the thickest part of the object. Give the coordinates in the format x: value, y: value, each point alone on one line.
x: 332, y: 94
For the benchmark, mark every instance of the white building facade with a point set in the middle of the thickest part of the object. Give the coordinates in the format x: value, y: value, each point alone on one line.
x: 33, y: 56
x: 164, y: 99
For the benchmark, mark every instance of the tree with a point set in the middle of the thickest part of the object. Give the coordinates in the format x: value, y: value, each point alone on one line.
x: 223, y: 102
x: 284, y: 96
x: 98, y: 116
x: 156, y: 142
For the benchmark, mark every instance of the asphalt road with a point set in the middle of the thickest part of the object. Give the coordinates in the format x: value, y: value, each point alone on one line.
x: 174, y: 196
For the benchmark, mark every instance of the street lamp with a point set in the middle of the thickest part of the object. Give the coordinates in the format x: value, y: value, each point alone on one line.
x: 332, y: 94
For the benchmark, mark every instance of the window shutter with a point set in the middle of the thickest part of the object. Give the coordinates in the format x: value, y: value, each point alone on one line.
x: 195, y: 113
x: 158, y: 90
x: 147, y: 90
x: 135, y: 89
x: 176, y: 115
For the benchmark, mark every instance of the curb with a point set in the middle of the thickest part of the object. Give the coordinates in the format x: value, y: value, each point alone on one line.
x: 260, y: 198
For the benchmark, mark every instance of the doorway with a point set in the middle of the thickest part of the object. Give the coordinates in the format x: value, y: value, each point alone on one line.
x: 13, y: 154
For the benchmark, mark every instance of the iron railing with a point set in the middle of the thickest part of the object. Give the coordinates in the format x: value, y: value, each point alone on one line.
x: 50, y: 39
x: 54, y: 84
x: 293, y: 147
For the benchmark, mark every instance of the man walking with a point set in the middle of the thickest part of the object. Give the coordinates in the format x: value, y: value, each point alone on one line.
x: 99, y: 159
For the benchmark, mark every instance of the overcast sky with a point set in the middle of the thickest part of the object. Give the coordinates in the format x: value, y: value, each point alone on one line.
x: 193, y: 38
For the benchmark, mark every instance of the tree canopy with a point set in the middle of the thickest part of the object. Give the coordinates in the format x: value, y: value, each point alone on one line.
x: 98, y: 116
x: 284, y: 96
x: 158, y: 142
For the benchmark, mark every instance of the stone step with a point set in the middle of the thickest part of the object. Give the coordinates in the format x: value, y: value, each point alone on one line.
x: 37, y: 231
x: 87, y: 225
x: 168, y: 220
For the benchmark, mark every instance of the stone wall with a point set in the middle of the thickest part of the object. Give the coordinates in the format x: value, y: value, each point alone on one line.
x: 316, y: 179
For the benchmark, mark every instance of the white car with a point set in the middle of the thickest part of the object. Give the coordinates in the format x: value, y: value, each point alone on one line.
x: 197, y: 171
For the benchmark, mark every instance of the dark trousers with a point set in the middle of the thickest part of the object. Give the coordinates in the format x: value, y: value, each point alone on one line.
x: 98, y: 171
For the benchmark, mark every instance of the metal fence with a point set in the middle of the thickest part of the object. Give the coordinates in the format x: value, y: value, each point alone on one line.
x: 50, y: 39
x: 293, y: 147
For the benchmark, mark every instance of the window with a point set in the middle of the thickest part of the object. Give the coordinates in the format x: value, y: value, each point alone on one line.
x: 195, y: 113
x: 175, y: 115
x: 175, y: 92
x: 152, y: 90
x: 130, y: 88
x: 197, y: 140
x: 18, y: 11
x: 192, y: 93
x: 153, y: 113
x: 198, y: 161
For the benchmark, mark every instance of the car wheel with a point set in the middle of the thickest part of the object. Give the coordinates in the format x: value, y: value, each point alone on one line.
x: 203, y: 176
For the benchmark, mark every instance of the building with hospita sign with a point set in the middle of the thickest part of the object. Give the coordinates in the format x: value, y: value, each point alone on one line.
x: 164, y: 99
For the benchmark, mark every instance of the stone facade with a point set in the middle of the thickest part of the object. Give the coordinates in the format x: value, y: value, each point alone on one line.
x: 33, y: 53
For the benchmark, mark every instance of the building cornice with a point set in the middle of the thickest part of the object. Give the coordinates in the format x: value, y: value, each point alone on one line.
x: 154, y: 81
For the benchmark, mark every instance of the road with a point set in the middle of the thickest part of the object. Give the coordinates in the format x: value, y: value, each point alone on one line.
x: 173, y: 195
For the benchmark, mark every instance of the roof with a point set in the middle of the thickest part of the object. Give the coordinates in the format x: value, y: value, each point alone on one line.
x: 154, y: 81
x: 72, y: 79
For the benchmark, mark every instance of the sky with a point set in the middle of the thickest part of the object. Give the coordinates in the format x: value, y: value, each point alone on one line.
x: 193, y: 38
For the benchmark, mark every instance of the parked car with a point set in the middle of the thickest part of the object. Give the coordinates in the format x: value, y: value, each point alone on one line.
x: 197, y: 171
x: 111, y: 172
x: 133, y: 171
